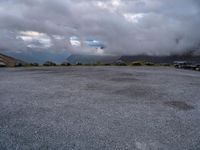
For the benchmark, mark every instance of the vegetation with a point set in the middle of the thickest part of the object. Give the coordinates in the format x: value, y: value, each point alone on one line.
x: 19, y: 65
x: 117, y: 63
x: 106, y: 64
x: 165, y: 64
x: 143, y: 63
x: 49, y: 63
x: 149, y: 64
x: 65, y: 64
x: 34, y: 64
x: 120, y: 63
x: 79, y: 64
x: 137, y: 63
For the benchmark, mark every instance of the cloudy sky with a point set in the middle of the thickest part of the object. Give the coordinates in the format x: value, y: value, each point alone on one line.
x: 123, y: 27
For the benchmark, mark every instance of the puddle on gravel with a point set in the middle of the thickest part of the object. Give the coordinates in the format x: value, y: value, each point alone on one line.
x: 179, y: 105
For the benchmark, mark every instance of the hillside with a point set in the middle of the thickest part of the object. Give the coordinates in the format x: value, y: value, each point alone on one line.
x: 10, y: 61
x: 160, y: 59
x: 91, y: 59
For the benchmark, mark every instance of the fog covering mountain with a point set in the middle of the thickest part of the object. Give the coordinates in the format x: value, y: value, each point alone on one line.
x: 41, y: 29
x: 161, y: 59
x: 39, y: 57
x: 92, y: 59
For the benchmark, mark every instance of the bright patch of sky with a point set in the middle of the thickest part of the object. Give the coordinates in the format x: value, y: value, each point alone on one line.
x: 35, y: 39
x: 134, y: 18
x: 111, y: 5
x: 75, y: 41
x: 89, y: 45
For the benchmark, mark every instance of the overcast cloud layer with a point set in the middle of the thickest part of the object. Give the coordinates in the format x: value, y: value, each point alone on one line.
x: 154, y: 27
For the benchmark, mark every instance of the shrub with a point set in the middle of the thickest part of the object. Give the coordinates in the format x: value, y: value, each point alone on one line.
x: 49, y: 63
x: 19, y: 65
x: 79, y: 64
x: 149, y: 64
x: 106, y: 64
x: 137, y: 63
x: 165, y: 64
x: 120, y: 63
x: 98, y: 63
x: 34, y: 64
x: 65, y: 64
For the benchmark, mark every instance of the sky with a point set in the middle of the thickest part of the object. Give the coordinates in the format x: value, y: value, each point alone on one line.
x: 100, y: 27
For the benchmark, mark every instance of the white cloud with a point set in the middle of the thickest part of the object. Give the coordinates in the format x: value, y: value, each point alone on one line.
x: 134, y: 18
x: 111, y: 5
x: 126, y: 26
x: 35, y: 39
x: 75, y: 42
x: 58, y: 37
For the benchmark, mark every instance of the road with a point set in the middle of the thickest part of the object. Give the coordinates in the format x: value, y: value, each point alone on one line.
x: 99, y: 108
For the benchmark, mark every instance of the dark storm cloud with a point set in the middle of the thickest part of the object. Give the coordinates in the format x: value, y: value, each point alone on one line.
x: 126, y: 26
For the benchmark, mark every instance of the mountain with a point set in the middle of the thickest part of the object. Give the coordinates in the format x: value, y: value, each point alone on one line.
x: 161, y: 59
x: 91, y: 59
x: 10, y: 61
x: 40, y: 57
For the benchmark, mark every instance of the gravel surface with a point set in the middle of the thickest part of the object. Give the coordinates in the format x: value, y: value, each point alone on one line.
x: 97, y: 108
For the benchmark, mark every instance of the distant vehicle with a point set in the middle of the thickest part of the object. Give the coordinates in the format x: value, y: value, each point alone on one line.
x: 2, y: 64
x: 183, y: 65
x: 187, y: 65
x: 197, y: 67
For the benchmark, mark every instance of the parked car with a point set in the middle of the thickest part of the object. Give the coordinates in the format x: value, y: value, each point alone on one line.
x: 182, y: 65
x: 197, y: 67
x: 2, y: 64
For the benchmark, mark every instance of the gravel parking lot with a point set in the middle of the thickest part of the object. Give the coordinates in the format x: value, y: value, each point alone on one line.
x: 97, y: 108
